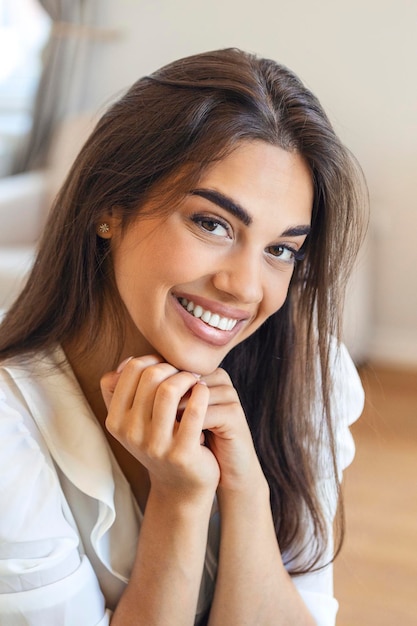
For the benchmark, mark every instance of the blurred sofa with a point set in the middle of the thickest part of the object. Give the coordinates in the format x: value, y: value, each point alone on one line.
x: 23, y: 211
x: 25, y: 200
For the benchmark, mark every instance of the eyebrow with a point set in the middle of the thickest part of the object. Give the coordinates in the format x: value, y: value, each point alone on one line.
x: 225, y: 203
x: 297, y: 231
x: 238, y: 211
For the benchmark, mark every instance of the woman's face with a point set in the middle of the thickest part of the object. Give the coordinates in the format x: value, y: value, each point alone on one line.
x: 199, y: 281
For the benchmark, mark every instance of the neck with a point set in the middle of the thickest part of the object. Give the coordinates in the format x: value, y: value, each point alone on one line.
x: 89, y: 369
x: 104, y: 356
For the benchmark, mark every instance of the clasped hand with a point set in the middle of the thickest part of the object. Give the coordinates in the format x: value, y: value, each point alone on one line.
x: 190, y: 433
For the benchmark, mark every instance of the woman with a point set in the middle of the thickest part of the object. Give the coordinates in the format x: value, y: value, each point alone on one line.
x: 174, y: 397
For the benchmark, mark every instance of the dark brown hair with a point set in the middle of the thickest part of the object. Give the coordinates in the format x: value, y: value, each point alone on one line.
x: 169, y: 127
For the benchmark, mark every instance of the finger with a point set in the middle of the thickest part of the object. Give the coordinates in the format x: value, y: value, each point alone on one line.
x: 108, y: 384
x: 125, y: 383
x: 165, y: 408
x: 109, y: 380
x: 130, y: 412
x: 119, y: 391
x: 150, y: 380
x: 223, y: 416
x: 223, y: 394
x: 182, y: 404
x: 218, y: 377
x: 227, y: 421
x: 191, y: 427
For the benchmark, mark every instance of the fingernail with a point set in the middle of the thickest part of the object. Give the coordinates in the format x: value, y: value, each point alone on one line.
x: 123, y: 364
x: 197, y: 376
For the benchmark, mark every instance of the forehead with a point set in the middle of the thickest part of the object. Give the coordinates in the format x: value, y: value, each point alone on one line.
x: 260, y: 175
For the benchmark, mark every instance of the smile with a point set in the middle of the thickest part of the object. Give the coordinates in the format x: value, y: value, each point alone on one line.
x: 211, y: 319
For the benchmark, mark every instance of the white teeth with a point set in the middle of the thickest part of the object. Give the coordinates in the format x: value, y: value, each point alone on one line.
x: 206, y: 316
x: 212, y: 319
x: 223, y: 323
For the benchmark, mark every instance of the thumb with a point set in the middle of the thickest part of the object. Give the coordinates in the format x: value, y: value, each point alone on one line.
x: 109, y: 381
x: 108, y: 384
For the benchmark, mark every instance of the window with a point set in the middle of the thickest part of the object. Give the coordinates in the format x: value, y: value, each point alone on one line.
x: 24, y: 29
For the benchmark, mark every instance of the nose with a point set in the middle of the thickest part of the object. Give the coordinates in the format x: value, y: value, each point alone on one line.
x: 240, y: 276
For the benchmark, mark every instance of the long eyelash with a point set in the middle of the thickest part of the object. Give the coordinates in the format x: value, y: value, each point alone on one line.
x: 197, y: 218
x: 299, y: 255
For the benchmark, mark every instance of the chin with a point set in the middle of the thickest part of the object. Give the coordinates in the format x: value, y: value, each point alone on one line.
x: 202, y: 366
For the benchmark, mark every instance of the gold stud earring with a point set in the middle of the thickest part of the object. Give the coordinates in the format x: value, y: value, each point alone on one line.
x: 103, y: 228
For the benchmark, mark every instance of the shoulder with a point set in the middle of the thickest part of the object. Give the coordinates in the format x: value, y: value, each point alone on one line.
x: 40, y: 547
x: 30, y: 368
x: 26, y: 469
x: 30, y: 493
x: 40, y: 383
x: 24, y: 381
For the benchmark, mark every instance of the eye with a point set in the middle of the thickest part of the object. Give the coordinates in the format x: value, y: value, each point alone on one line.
x: 284, y: 253
x: 212, y: 225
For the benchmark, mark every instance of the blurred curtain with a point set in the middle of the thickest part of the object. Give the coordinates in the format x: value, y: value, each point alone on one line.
x: 64, y: 63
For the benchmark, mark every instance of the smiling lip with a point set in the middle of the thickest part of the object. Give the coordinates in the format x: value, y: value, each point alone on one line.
x: 210, y: 321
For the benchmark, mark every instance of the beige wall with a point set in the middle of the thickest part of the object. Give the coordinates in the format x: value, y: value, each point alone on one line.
x: 360, y: 58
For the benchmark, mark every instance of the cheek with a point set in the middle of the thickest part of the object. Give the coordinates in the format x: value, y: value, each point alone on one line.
x: 156, y: 268
x: 275, y: 294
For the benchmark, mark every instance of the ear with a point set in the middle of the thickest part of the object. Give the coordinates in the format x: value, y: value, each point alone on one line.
x: 107, y: 225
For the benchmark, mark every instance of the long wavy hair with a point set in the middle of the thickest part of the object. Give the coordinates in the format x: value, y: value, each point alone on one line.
x: 155, y: 142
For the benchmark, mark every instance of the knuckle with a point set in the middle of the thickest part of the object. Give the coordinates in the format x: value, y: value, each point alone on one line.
x: 222, y: 376
x: 122, y: 429
x: 134, y: 364
x: 192, y: 412
x: 154, y: 451
x: 178, y: 459
x: 106, y: 379
x: 172, y: 388
x: 166, y: 391
x: 221, y: 372
x: 231, y: 395
x: 157, y: 373
x: 113, y: 426
x: 151, y: 375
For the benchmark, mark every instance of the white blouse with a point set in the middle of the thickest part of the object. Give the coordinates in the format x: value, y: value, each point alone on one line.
x: 69, y: 523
